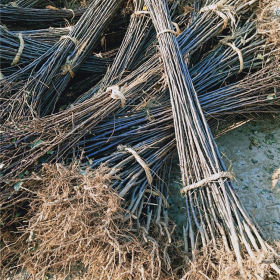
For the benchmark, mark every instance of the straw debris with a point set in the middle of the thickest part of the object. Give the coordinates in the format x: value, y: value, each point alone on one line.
x: 76, y: 218
x: 268, y: 19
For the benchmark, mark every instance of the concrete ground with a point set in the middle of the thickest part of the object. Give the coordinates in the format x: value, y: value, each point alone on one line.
x: 252, y: 151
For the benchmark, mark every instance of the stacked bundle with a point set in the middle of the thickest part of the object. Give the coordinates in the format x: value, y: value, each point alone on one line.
x: 157, y: 93
x: 43, y: 17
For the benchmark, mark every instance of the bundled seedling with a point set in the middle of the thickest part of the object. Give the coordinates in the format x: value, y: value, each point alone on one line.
x: 16, y: 16
x: 52, y: 35
x: 61, y: 131
x: 125, y: 131
x: 33, y: 3
x: 213, y: 209
x: 48, y: 36
x: 148, y: 131
x: 13, y: 55
x: 51, y: 72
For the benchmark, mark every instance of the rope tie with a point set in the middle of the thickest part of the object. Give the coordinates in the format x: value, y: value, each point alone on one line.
x: 70, y: 63
x: 166, y: 31
x: 142, y: 12
x: 222, y: 11
x: 68, y: 68
x: 20, y: 50
x: 139, y: 160
x: 240, y: 56
x: 176, y: 33
x: 178, y: 30
x: 142, y: 163
x: 206, y: 181
x: 2, y: 77
x: 138, y: 13
x: 72, y: 13
x: 14, y: 4
x: 158, y: 193
x: 73, y: 39
x: 117, y: 94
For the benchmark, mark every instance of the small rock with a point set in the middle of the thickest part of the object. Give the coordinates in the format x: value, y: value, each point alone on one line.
x: 270, y: 156
x: 267, y: 191
x: 254, y: 161
x: 254, y: 142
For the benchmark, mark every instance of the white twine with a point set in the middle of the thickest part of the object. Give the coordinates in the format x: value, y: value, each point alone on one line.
x: 72, y: 13
x: 73, y: 39
x: 14, y: 4
x: 117, y: 94
x: 222, y: 11
x: 20, y: 50
x: 158, y: 193
x: 166, y: 31
x: 143, y: 164
x: 207, y: 180
x: 238, y: 51
x: 2, y: 77
x: 137, y: 13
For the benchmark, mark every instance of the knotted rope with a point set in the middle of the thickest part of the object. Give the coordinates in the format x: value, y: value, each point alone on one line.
x: 143, y: 12
x: 222, y: 11
x: 176, y: 33
x: 117, y: 94
x: 207, y: 180
x: 138, y: 13
x: 240, y: 56
x: 67, y: 67
x: 140, y: 161
x: 158, y: 193
x: 2, y: 77
x: 69, y: 63
x: 73, y: 39
x: 20, y: 50
x: 72, y: 13
x: 178, y: 30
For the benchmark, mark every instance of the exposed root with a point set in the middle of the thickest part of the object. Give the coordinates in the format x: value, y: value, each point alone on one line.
x: 268, y: 18
x: 216, y: 263
x: 77, y: 219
